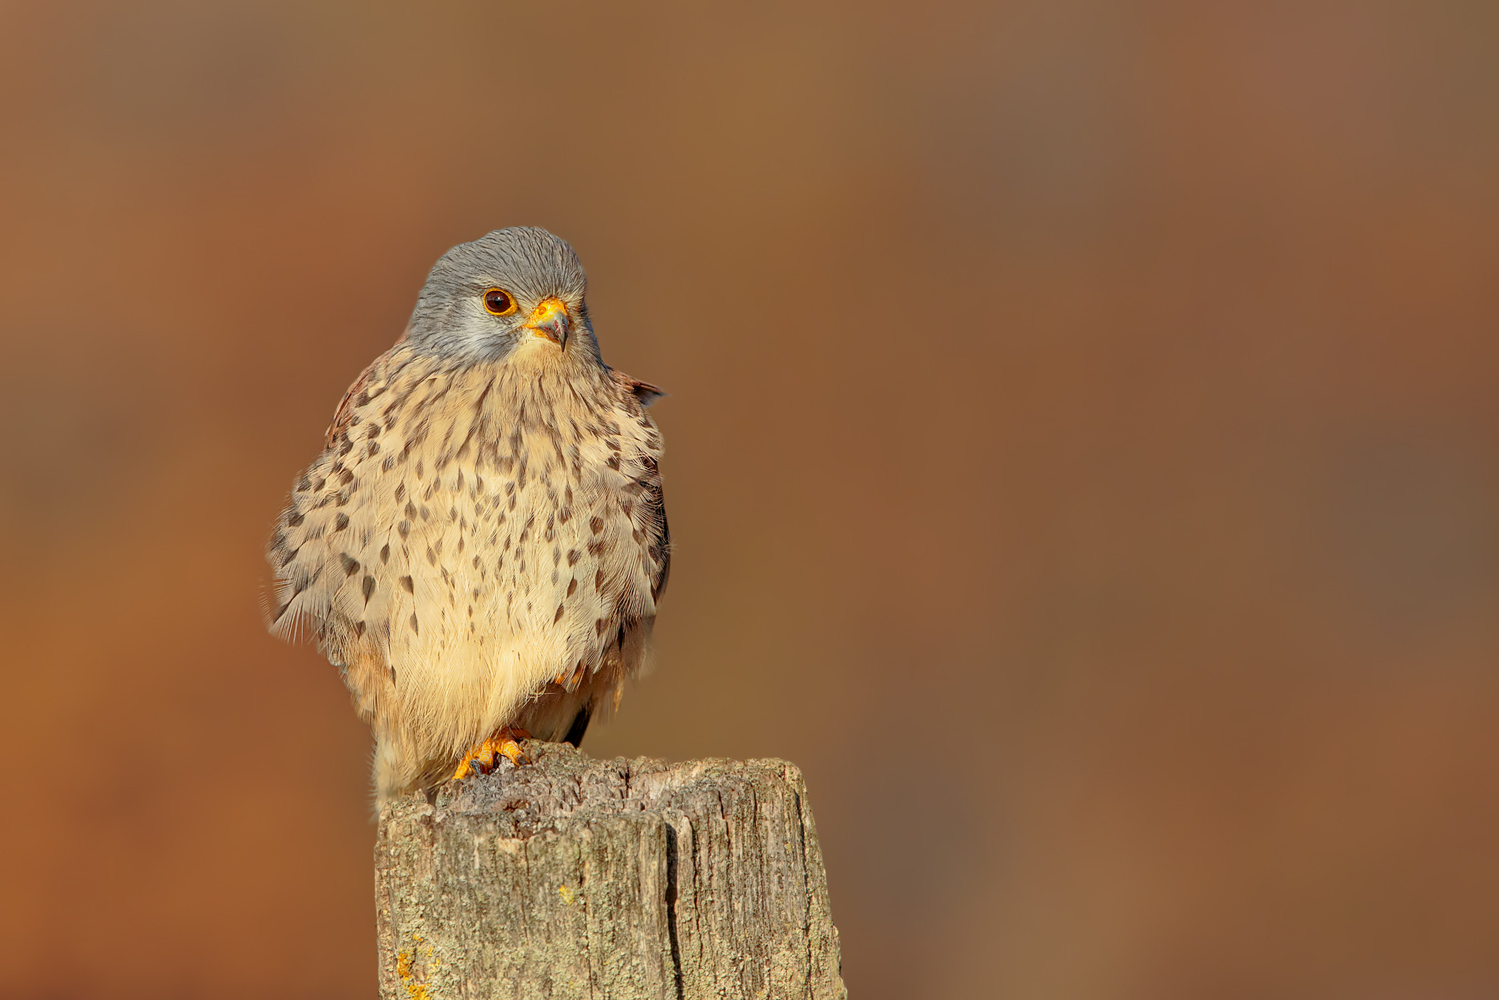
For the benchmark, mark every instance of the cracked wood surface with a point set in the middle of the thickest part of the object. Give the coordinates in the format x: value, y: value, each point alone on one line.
x: 607, y: 879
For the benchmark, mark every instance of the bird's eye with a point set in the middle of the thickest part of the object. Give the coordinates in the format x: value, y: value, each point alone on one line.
x: 499, y: 302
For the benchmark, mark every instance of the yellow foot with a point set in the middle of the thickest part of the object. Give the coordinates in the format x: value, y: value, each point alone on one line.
x: 483, y: 757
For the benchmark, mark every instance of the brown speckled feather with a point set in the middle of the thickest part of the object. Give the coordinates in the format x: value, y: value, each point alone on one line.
x: 481, y: 543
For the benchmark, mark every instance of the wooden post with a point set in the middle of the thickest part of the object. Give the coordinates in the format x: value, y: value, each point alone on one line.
x: 607, y: 879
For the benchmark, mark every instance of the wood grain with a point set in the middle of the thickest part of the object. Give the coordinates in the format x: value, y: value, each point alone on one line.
x: 606, y: 879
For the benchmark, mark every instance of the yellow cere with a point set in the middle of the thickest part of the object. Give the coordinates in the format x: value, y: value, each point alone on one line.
x: 545, y: 310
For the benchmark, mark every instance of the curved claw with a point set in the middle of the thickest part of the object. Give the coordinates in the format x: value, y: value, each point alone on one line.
x: 483, y: 757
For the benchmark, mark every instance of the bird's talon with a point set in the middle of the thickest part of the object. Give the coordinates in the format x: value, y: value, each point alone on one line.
x: 486, y: 755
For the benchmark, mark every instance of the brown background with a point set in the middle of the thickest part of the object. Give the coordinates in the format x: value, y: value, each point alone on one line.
x: 1081, y: 460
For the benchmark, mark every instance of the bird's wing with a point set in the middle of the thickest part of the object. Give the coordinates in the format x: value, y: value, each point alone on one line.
x: 310, y: 554
x: 344, y: 415
x: 644, y: 392
x: 650, y: 516
x: 387, y: 365
x: 649, y: 510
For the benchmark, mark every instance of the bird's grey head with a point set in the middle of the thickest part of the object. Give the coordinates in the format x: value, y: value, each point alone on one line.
x: 517, y: 287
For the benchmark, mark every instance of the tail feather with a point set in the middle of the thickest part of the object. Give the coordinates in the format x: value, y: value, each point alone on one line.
x: 578, y: 728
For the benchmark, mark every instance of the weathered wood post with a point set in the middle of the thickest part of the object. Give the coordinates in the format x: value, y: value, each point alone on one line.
x: 608, y: 879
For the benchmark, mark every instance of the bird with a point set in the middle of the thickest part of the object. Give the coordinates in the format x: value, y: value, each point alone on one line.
x: 482, y: 543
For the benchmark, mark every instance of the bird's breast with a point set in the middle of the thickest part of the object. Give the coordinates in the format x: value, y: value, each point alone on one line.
x: 506, y: 506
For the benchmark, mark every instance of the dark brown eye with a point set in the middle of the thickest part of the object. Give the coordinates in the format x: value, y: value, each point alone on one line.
x: 499, y: 302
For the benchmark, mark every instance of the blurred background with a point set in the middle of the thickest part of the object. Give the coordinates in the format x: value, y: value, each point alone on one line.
x: 1081, y: 460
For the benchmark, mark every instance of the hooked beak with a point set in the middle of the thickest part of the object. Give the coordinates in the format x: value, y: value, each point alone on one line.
x: 550, y: 320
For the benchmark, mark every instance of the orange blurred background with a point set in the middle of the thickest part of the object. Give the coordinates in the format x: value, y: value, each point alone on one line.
x: 1081, y: 462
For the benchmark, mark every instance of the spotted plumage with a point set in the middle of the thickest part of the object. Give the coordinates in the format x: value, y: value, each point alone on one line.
x: 482, y: 542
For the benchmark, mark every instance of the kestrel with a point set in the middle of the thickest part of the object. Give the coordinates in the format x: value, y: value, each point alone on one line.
x: 482, y: 543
